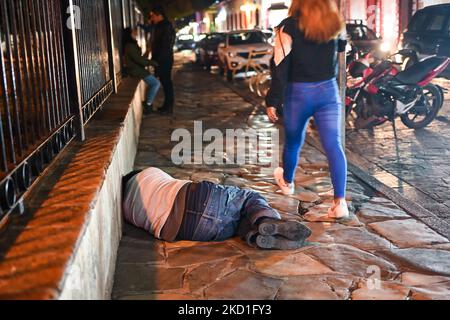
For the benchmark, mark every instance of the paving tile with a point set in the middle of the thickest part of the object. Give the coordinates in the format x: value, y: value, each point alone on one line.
x: 407, y: 233
x: 429, y: 260
x: 140, y: 252
x: 349, y: 260
x: 288, y: 265
x: 385, y: 291
x: 375, y: 212
x: 244, y: 285
x: 316, y: 288
x: 200, y: 254
x: 132, y: 279
x: 360, y: 238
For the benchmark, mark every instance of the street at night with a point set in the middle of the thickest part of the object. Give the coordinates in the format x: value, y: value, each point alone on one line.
x: 225, y: 156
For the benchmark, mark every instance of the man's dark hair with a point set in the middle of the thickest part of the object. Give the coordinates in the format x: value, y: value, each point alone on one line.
x: 158, y: 9
x: 125, y: 180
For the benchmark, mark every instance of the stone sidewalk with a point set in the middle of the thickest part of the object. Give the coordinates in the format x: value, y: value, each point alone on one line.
x: 416, y: 164
x: 379, y: 253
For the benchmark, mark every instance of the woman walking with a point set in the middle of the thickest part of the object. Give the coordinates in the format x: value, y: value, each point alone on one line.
x: 136, y: 65
x: 304, y: 84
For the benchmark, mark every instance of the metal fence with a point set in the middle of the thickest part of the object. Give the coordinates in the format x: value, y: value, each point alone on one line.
x: 93, y: 55
x: 59, y: 61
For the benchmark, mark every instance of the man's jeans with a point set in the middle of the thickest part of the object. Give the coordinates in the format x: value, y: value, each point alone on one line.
x: 153, y: 87
x: 228, y: 211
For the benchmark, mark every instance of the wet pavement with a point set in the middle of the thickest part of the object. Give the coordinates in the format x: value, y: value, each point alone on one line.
x: 380, y: 252
x: 416, y: 164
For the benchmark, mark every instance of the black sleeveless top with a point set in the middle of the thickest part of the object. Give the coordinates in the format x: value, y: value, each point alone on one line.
x: 310, y: 61
x: 307, y: 62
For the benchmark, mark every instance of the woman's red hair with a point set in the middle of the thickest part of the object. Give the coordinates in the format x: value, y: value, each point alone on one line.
x: 320, y: 20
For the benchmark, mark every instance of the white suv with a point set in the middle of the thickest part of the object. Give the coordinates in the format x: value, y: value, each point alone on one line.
x: 234, y: 53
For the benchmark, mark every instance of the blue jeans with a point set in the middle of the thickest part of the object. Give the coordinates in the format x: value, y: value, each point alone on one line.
x: 153, y: 87
x: 319, y: 100
x: 226, y: 212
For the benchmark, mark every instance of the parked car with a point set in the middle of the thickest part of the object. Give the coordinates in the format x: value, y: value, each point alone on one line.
x: 362, y: 40
x: 206, y: 50
x: 185, y: 42
x: 235, y: 51
x: 428, y: 33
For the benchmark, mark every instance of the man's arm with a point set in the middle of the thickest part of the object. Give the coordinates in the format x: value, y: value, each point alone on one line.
x: 280, y: 67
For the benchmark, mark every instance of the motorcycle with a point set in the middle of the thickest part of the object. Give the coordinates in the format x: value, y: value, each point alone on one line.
x: 384, y: 92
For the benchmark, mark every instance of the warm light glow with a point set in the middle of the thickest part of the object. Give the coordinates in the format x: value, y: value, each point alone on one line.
x: 248, y: 7
x: 222, y: 16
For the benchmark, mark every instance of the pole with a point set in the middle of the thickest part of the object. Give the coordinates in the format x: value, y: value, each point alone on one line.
x: 75, y: 71
x: 111, y: 44
x: 342, y: 77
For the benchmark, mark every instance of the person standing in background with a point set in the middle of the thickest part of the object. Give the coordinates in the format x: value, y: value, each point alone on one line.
x: 162, y: 42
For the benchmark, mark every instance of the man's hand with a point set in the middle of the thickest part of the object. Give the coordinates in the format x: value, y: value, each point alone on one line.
x: 272, y: 113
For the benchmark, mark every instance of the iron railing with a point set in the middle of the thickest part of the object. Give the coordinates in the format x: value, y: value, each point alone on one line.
x: 59, y: 61
x: 93, y: 55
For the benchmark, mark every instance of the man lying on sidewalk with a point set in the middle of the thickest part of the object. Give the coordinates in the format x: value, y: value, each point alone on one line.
x: 175, y: 210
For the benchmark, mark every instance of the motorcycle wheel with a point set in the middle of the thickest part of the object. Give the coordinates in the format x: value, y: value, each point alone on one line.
x: 425, y: 110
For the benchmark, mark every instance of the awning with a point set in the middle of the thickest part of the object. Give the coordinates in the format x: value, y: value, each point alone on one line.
x: 278, y: 6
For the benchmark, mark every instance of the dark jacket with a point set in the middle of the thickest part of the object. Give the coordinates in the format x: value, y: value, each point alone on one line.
x: 135, y: 63
x: 163, y: 40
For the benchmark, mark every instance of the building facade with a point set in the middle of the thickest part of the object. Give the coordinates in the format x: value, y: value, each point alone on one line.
x: 250, y: 14
x: 387, y: 17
